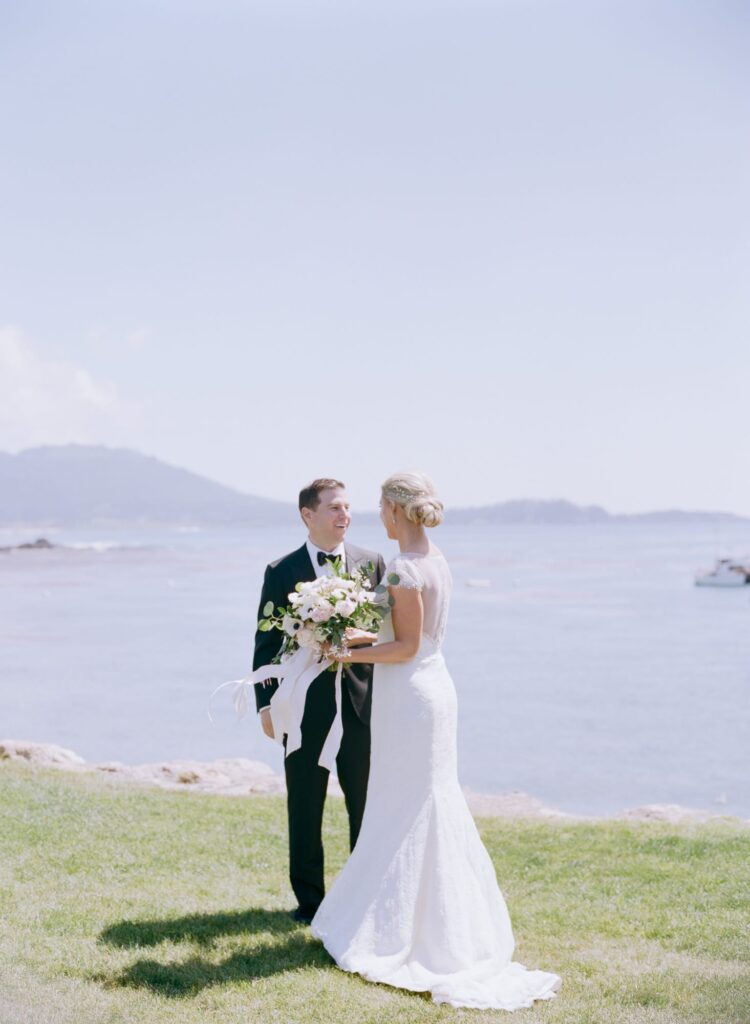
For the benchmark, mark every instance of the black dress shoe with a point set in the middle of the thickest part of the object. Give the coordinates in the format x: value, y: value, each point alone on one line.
x: 304, y: 915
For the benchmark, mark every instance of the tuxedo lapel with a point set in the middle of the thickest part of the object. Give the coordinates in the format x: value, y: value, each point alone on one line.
x: 358, y: 559
x: 355, y: 558
x: 352, y: 561
x: 301, y: 566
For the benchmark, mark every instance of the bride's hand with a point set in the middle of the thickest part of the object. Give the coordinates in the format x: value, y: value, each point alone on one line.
x: 358, y: 637
x: 328, y: 652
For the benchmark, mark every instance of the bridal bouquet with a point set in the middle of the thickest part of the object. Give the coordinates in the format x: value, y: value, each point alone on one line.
x: 314, y: 625
x: 322, y: 610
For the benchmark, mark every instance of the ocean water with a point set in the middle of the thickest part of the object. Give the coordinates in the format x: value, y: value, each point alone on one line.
x: 590, y: 671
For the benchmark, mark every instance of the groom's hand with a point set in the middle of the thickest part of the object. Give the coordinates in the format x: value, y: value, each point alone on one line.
x: 265, y: 721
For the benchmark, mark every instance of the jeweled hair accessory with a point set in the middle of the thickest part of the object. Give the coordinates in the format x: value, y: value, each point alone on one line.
x: 402, y: 492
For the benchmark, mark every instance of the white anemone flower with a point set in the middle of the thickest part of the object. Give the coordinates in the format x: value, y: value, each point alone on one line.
x: 291, y: 625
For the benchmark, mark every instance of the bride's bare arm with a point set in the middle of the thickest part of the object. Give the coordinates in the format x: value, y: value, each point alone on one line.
x: 408, y: 615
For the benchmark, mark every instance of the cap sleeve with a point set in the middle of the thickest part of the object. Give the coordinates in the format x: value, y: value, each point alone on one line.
x: 407, y: 572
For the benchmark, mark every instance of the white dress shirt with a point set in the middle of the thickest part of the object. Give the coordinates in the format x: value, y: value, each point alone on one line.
x: 325, y: 570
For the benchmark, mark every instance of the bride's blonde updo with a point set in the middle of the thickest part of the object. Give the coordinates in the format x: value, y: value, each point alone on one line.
x: 415, y: 493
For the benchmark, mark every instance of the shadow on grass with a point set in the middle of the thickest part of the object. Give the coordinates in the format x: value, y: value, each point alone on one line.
x: 189, y: 977
x: 199, y: 928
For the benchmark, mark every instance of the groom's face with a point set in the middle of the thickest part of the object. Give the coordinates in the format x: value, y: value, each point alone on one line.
x: 329, y: 522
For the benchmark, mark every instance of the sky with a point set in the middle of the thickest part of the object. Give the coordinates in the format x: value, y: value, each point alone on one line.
x: 504, y: 242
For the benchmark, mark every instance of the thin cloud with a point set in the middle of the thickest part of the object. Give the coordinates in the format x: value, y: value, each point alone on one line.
x: 47, y: 401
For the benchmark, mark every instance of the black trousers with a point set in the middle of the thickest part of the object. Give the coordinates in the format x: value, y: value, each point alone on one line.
x: 307, y: 784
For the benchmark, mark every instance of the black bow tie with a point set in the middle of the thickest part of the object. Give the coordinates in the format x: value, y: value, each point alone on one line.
x: 323, y: 557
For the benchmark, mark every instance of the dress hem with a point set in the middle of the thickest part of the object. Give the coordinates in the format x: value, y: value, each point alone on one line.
x: 549, y: 991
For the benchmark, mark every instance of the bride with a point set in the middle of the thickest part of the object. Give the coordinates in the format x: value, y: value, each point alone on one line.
x: 417, y: 904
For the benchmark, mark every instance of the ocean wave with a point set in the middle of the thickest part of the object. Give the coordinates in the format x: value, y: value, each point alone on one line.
x: 102, y: 546
x: 94, y: 545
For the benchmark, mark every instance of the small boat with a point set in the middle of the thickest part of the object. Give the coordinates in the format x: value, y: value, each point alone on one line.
x: 726, y: 573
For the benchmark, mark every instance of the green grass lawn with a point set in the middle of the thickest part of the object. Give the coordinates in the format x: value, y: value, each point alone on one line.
x: 120, y: 904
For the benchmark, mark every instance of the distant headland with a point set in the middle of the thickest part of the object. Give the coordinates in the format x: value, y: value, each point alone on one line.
x: 92, y: 485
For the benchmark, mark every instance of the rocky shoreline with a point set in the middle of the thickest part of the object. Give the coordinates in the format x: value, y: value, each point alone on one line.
x: 242, y: 777
x: 40, y: 544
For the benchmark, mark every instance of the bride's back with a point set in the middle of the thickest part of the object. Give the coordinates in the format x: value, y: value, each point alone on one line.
x: 430, y: 574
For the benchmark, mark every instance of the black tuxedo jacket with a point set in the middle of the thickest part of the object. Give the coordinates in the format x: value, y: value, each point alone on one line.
x: 280, y: 579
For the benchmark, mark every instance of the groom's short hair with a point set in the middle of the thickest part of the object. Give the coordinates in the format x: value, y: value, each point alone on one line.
x: 309, y: 497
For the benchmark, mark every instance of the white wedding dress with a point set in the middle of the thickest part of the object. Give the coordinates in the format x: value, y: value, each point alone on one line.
x: 417, y: 905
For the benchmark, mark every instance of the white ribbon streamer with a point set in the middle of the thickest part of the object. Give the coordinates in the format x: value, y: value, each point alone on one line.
x: 288, y: 702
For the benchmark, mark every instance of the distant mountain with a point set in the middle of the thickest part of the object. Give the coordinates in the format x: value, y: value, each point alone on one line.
x: 529, y: 511
x: 563, y: 512
x: 89, y: 484
x: 84, y: 484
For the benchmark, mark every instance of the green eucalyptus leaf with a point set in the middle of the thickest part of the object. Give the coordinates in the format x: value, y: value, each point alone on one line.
x: 380, y: 589
x: 268, y: 608
x: 264, y: 625
x: 391, y: 602
x: 394, y: 579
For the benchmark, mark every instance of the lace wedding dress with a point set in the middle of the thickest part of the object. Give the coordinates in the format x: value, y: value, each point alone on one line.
x: 417, y: 904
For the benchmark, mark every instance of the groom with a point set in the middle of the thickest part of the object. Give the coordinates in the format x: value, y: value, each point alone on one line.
x: 324, y: 508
